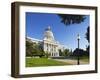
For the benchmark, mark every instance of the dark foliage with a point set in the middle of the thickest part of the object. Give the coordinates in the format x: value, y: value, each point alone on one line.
x: 33, y: 49
x: 68, y: 19
x: 87, y: 34
x: 29, y: 48
x: 60, y: 52
x: 79, y: 52
x: 88, y: 38
x: 88, y: 50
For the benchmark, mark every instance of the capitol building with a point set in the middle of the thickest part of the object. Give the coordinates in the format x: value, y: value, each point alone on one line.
x: 48, y: 44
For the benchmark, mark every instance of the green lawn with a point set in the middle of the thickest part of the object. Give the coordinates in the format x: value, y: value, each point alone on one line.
x: 85, y: 59
x: 33, y: 62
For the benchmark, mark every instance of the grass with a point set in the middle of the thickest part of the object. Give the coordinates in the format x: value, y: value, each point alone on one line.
x: 85, y: 59
x: 34, y: 62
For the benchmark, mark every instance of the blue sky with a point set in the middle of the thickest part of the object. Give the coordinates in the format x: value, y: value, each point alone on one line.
x: 36, y: 23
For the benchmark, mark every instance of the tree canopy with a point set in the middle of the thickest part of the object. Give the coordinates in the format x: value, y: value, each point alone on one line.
x: 79, y: 52
x: 87, y: 34
x: 88, y: 38
x: 68, y: 19
x: 29, y: 48
x: 65, y: 52
x: 33, y: 49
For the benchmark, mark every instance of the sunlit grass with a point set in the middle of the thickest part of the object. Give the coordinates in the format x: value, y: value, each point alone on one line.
x: 34, y: 62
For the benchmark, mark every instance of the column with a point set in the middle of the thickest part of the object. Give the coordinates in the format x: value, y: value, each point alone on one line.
x: 47, y: 47
x: 53, y: 51
x: 44, y: 47
x: 50, y: 48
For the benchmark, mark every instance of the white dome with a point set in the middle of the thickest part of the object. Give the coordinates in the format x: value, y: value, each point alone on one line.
x: 48, y: 34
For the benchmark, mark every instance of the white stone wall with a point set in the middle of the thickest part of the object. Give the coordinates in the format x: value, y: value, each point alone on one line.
x: 51, y: 47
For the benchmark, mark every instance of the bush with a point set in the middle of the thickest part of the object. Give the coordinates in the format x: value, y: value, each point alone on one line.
x: 47, y: 54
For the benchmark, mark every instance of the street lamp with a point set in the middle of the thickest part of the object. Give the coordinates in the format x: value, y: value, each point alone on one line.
x: 78, y: 59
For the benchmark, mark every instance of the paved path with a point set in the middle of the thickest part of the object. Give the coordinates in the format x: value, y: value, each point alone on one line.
x: 70, y: 61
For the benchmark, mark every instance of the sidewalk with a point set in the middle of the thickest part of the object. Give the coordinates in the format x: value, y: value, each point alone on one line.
x: 72, y: 62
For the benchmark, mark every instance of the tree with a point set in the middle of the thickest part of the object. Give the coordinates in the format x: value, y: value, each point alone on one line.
x: 33, y: 49
x: 87, y: 34
x: 88, y: 38
x: 68, y: 19
x: 60, y: 52
x: 29, y: 48
x: 79, y: 52
x: 38, y: 51
x: 66, y: 52
x: 47, y: 54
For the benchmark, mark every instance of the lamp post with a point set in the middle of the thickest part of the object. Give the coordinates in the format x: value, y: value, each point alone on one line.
x: 78, y: 59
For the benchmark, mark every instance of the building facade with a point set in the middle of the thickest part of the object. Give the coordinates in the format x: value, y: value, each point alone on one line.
x: 49, y: 44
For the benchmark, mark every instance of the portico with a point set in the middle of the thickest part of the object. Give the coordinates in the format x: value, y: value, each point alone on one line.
x: 50, y: 45
x: 51, y: 48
